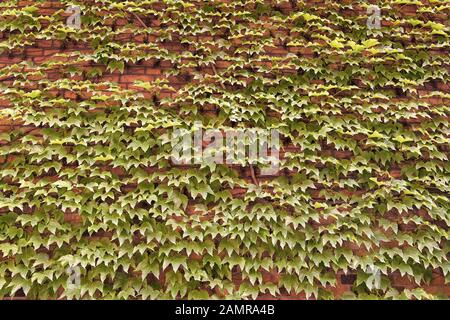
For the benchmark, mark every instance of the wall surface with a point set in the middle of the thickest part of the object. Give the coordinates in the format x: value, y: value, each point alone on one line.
x: 93, y: 206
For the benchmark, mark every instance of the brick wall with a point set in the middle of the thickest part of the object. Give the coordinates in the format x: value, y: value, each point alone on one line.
x: 40, y: 51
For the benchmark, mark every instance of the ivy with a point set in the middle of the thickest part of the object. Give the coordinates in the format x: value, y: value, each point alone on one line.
x: 87, y: 182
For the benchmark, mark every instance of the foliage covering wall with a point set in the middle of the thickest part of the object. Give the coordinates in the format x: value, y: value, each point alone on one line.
x: 86, y: 180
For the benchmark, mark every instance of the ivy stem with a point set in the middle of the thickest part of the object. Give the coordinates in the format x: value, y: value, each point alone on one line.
x: 252, y: 170
x: 140, y: 20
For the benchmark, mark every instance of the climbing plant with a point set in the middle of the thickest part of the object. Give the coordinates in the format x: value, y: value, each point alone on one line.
x: 86, y: 177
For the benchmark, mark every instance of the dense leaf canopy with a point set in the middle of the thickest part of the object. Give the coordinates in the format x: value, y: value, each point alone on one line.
x: 87, y: 182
